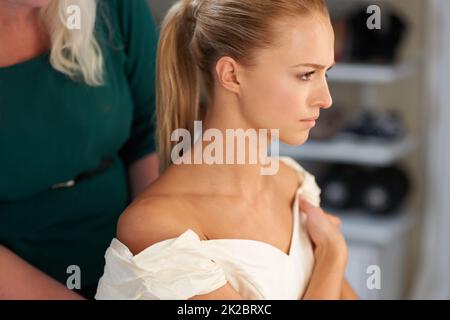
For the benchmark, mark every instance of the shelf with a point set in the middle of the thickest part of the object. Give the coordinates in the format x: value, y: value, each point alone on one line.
x: 351, y: 151
x: 359, y: 226
x: 371, y: 73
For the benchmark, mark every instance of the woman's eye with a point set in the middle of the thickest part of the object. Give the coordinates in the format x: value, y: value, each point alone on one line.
x: 307, y: 76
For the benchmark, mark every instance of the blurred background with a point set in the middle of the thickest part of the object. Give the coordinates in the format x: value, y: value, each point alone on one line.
x: 381, y: 154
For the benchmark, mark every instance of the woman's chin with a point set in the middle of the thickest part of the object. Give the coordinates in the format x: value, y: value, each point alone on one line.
x: 295, y: 140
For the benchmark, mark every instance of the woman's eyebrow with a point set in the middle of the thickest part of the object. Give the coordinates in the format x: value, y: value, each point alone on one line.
x: 315, y: 66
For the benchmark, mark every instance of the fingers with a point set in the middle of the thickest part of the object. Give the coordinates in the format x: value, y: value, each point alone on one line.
x: 334, y: 220
x: 309, y: 209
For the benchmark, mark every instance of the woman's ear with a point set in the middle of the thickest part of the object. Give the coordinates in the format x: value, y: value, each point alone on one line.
x: 227, y: 70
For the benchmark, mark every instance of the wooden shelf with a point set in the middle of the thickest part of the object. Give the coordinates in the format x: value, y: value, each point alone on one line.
x: 351, y: 151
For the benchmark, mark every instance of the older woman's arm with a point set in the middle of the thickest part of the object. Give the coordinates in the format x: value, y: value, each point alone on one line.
x: 141, y: 34
x: 142, y: 173
x: 21, y: 281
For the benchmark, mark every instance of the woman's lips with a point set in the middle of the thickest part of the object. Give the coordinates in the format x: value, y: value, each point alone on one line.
x: 311, y: 122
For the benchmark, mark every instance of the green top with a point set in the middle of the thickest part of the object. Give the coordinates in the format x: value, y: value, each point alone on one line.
x: 52, y: 129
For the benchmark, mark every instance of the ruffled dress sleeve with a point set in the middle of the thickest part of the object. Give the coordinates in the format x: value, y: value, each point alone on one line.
x: 309, y: 190
x: 174, y: 269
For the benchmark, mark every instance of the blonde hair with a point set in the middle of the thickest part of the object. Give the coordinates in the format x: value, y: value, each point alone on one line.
x: 74, y: 53
x: 195, y: 35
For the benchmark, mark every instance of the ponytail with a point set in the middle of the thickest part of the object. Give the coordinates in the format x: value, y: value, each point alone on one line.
x: 178, y: 78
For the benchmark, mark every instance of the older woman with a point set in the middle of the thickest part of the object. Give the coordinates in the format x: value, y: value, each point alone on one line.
x: 76, y: 137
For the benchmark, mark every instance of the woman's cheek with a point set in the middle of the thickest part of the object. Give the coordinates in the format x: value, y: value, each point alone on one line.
x: 274, y: 103
x: 290, y: 105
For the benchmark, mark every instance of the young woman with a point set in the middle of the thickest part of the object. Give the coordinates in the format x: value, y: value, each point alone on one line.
x: 76, y: 137
x: 226, y: 231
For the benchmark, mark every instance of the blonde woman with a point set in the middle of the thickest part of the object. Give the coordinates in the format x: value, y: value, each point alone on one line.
x: 76, y: 137
x: 212, y: 231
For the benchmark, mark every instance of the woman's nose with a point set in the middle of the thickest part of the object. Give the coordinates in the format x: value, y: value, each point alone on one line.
x: 324, y: 99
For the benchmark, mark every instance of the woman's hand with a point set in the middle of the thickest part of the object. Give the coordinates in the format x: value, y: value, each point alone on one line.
x: 330, y: 253
x: 325, y: 233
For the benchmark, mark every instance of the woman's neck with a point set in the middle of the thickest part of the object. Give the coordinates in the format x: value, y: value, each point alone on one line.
x: 12, y: 15
x: 22, y: 29
x: 243, y: 166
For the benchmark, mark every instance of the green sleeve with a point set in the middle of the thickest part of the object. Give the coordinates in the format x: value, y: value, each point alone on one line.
x: 140, y: 39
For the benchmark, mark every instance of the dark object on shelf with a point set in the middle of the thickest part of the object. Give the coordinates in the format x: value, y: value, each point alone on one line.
x: 331, y: 122
x: 376, y: 190
x: 385, y: 190
x: 339, y: 186
x: 358, y: 43
x: 376, y: 124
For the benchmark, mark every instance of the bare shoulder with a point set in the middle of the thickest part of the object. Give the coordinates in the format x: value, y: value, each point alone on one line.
x: 152, y: 219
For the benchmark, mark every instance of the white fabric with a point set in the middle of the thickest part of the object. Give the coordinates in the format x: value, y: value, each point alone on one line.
x: 186, y: 266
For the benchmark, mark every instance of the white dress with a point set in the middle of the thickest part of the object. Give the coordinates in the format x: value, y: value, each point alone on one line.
x: 186, y: 266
